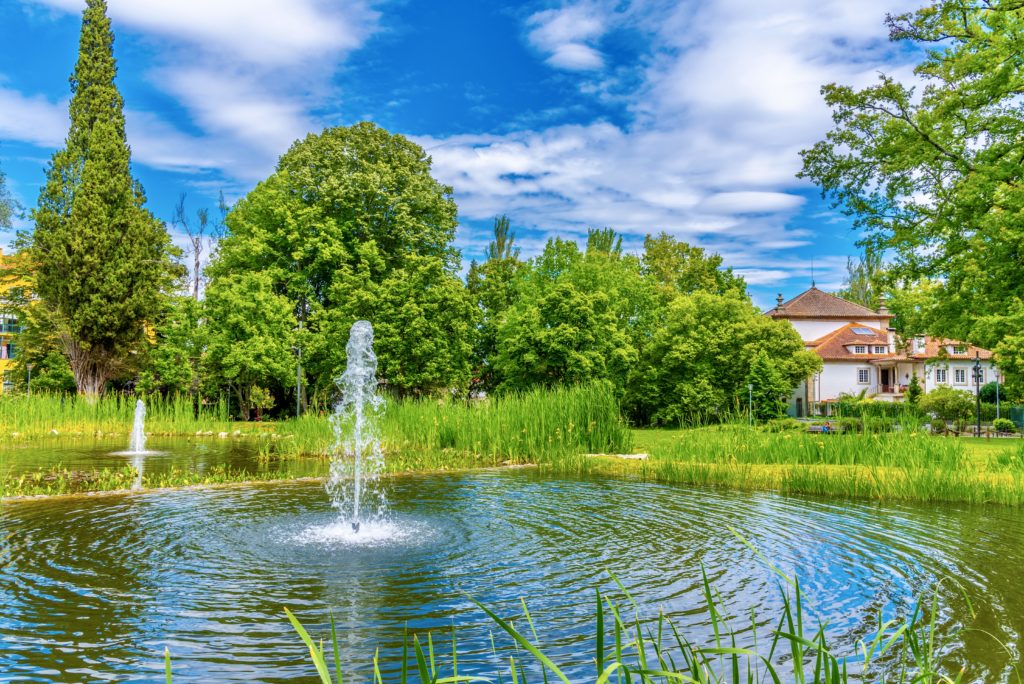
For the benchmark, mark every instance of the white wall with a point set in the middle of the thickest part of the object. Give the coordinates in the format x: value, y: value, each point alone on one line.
x: 930, y: 382
x: 810, y: 330
x: 840, y: 377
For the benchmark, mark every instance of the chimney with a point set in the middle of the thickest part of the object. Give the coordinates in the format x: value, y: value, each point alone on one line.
x: 883, y: 310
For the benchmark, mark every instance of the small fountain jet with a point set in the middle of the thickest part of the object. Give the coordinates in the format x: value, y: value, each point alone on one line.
x: 356, y: 456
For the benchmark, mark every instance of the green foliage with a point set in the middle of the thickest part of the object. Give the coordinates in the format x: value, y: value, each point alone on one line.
x: 571, y: 320
x: 353, y: 225
x: 1003, y: 425
x: 651, y: 651
x: 102, y: 261
x: 8, y: 207
x: 933, y: 174
x: 948, y: 404
x: 769, y: 388
x: 250, y: 335
x: 697, y: 363
x: 174, y: 363
x: 991, y: 390
x: 863, y: 279
x: 492, y: 287
x: 914, y: 391
x: 678, y: 268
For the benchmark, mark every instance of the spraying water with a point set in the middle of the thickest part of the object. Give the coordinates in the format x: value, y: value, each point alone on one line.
x: 356, y: 456
x: 137, y: 443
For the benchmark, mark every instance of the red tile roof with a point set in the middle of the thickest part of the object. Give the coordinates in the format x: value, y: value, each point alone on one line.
x: 833, y: 346
x: 817, y: 304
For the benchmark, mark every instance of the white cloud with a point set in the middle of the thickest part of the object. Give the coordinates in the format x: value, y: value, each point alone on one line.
x: 566, y: 36
x: 268, y: 32
x: 728, y: 96
x: 32, y: 118
x: 248, y: 72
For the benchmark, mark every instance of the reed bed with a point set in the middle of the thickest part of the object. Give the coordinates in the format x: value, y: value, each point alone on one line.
x: 900, y: 466
x: 47, y: 414
x: 536, y: 426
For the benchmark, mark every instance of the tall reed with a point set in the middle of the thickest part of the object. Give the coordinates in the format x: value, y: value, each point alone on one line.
x: 904, y: 465
x: 43, y: 413
x: 539, y: 425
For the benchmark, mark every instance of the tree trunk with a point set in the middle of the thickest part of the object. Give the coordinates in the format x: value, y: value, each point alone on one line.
x: 91, y: 368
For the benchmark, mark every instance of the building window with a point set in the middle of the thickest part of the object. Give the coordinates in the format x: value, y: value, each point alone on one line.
x: 981, y: 376
x: 959, y: 350
x: 941, y: 375
x: 860, y: 349
x: 879, y: 349
x: 959, y: 376
x: 864, y: 376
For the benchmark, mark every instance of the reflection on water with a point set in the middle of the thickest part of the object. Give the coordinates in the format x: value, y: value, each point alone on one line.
x: 96, y: 587
x: 163, y: 455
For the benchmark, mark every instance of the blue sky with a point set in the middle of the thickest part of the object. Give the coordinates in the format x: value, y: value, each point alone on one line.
x: 682, y: 116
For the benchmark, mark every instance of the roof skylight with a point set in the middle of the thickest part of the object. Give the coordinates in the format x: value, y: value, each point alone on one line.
x: 863, y: 331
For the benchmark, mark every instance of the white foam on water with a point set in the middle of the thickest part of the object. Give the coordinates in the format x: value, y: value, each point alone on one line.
x: 371, y: 533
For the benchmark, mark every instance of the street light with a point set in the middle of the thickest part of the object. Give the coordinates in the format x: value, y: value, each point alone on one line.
x: 28, y: 367
x: 750, y: 404
x: 298, y: 380
x: 977, y: 389
x: 998, y: 416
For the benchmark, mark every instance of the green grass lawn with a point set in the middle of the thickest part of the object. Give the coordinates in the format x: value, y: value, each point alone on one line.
x: 651, y: 440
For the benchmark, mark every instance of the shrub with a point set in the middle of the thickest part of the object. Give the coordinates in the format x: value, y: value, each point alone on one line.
x: 1004, y: 425
x: 877, y: 425
x: 783, y: 425
x: 848, y: 425
x: 938, y: 426
x: 948, y: 403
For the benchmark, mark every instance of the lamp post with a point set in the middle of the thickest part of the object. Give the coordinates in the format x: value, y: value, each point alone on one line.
x: 997, y: 395
x: 750, y: 404
x: 298, y: 380
x: 28, y: 367
x: 977, y: 389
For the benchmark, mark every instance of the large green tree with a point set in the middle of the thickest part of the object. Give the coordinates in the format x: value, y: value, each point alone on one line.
x: 492, y: 285
x: 250, y: 336
x: 934, y: 173
x: 350, y: 214
x: 575, y: 316
x: 699, y: 361
x: 102, y: 261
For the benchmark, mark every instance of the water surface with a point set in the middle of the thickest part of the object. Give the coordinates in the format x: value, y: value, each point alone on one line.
x: 95, y: 588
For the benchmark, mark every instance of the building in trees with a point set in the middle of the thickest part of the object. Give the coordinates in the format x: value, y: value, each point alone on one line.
x: 861, y: 353
x: 11, y: 291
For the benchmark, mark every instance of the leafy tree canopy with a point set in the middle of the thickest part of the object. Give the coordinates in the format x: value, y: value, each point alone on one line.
x: 934, y: 174
x: 101, y: 261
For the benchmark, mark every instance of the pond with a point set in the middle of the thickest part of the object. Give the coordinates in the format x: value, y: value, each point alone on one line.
x: 199, y: 454
x: 94, y: 588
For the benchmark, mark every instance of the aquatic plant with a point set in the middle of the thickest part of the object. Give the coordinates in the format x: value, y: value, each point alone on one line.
x: 629, y: 648
x: 44, y: 414
x: 904, y: 465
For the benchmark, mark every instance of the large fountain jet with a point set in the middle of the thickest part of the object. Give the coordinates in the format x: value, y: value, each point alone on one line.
x: 356, y: 456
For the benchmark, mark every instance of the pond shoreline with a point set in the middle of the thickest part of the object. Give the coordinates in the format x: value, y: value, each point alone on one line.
x: 240, y: 483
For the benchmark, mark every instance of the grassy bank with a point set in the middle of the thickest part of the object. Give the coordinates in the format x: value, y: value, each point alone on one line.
x: 903, y: 466
x: 42, y: 415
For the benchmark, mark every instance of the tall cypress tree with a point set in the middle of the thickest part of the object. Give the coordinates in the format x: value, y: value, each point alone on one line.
x: 102, y: 260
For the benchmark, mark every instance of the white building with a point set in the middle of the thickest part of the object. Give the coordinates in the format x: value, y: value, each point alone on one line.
x: 860, y: 352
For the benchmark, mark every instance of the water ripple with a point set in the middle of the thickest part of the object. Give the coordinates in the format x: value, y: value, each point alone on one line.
x: 94, y: 588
